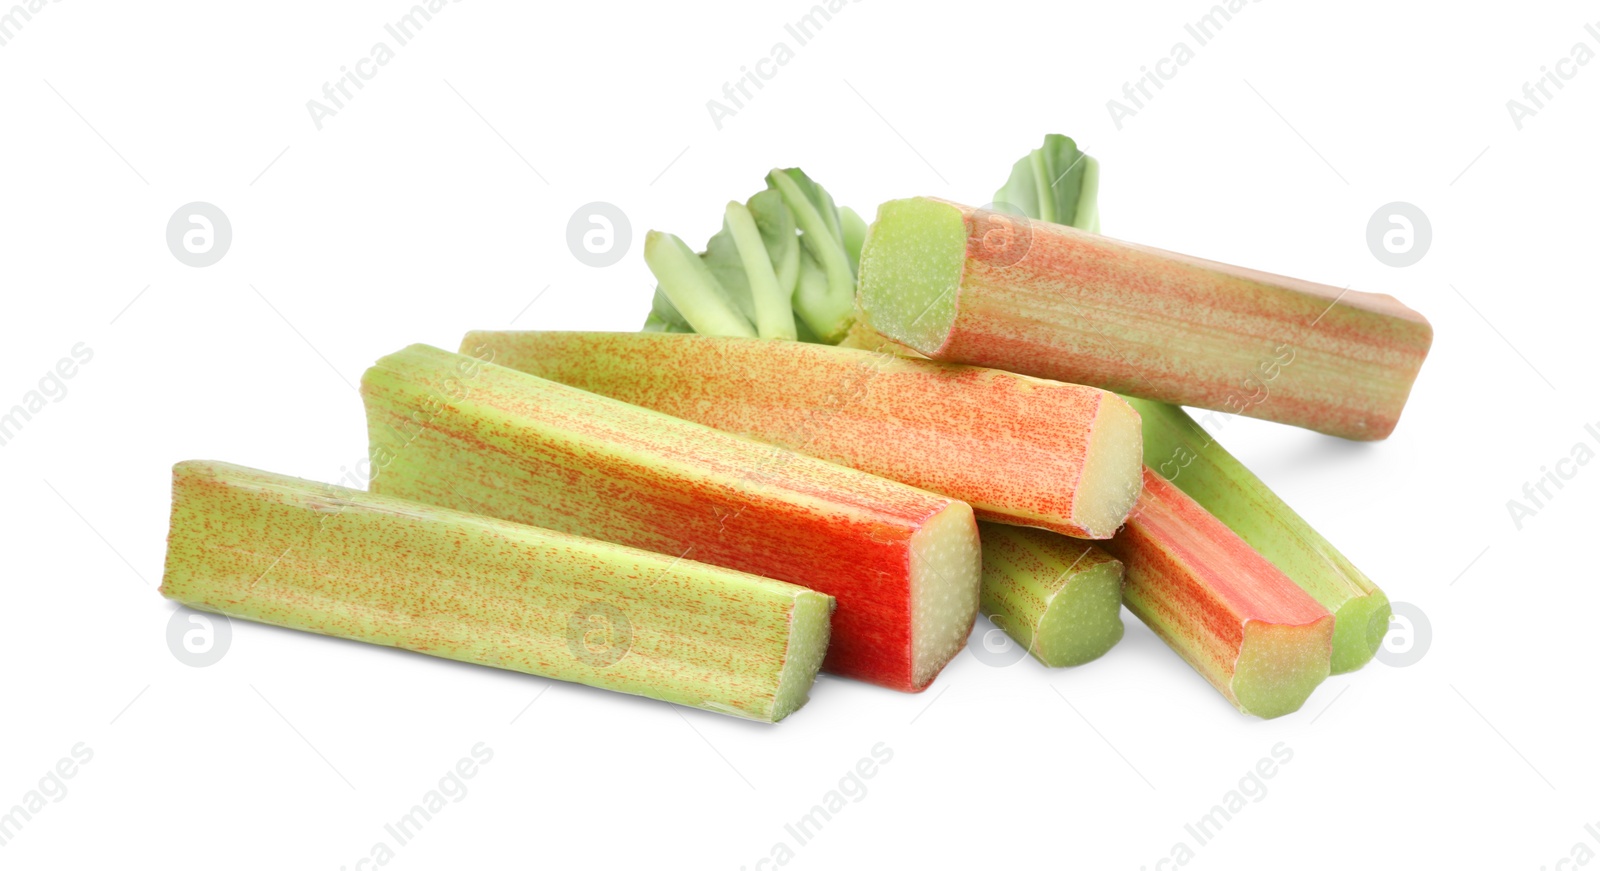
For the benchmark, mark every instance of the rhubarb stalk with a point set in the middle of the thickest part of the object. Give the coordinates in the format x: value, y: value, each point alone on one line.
x: 992, y: 289
x: 1186, y: 455
x: 1019, y: 450
x: 453, y: 430
x: 335, y: 561
x: 1057, y: 597
x: 1263, y: 642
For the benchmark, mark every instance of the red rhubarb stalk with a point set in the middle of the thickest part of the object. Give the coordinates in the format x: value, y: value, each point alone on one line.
x: 1263, y: 642
x: 903, y: 563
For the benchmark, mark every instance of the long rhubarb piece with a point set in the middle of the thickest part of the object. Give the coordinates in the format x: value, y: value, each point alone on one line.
x: 1057, y: 597
x: 1185, y: 454
x: 1263, y: 642
x: 454, y: 430
x: 341, y: 562
x: 1019, y: 450
x: 992, y: 289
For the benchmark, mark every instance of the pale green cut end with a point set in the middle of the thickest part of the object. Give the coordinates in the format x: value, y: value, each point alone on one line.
x: 1058, y: 598
x: 1358, y: 629
x: 1113, y: 471
x: 1277, y: 669
x: 911, y: 268
x: 946, y: 576
x: 808, y: 643
x: 1084, y: 620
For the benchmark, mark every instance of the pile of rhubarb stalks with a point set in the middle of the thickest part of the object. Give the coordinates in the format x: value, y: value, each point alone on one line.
x: 831, y: 447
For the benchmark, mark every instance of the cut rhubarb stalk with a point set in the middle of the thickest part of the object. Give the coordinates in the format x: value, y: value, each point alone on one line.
x: 1185, y: 454
x: 992, y: 289
x: 1263, y: 642
x: 1019, y: 450
x: 453, y: 430
x: 1057, y: 597
x: 341, y: 562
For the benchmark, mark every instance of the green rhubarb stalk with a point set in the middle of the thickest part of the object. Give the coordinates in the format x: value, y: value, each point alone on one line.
x: 1057, y: 597
x: 1185, y: 454
x: 774, y: 317
x: 691, y: 287
x: 782, y: 266
x: 778, y: 232
x: 854, y: 228
x: 341, y: 562
x: 827, y: 306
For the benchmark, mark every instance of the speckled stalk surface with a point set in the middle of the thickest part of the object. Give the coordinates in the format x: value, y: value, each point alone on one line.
x: 1019, y: 450
x: 903, y: 563
x: 1263, y: 642
x: 1059, y: 598
x: 341, y: 562
x: 1185, y: 454
x: 963, y: 285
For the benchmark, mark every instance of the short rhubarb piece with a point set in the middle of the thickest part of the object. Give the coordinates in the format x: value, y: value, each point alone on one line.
x: 1263, y: 642
x: 1185, y: 454
x: 341, y: 562
x: 994, y: 289
x: 903, y: 563
x: 1059, y: 598
x: 1019, y: 450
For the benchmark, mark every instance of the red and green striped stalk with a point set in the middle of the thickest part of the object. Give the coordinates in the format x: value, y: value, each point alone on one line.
x: 1057, y: 597
x: 1185, y: 454
x: 335, y: 561
x: 1263, y: 642
x: 1019, y: 450
x: 991, y: 289
x: 903, y: 563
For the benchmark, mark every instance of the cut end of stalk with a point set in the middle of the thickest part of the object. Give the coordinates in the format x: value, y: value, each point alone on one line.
x: 1059, y: 598
x: 1113, y: 472
x: 1084, y: 620
x: 808, y: 643
x: 1279, y: 666
x: 1358, y: 630
x: 945, y: 565
x: 911, y: 268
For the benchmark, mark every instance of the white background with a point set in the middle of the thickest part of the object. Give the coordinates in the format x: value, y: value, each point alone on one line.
x: 437, y: 201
